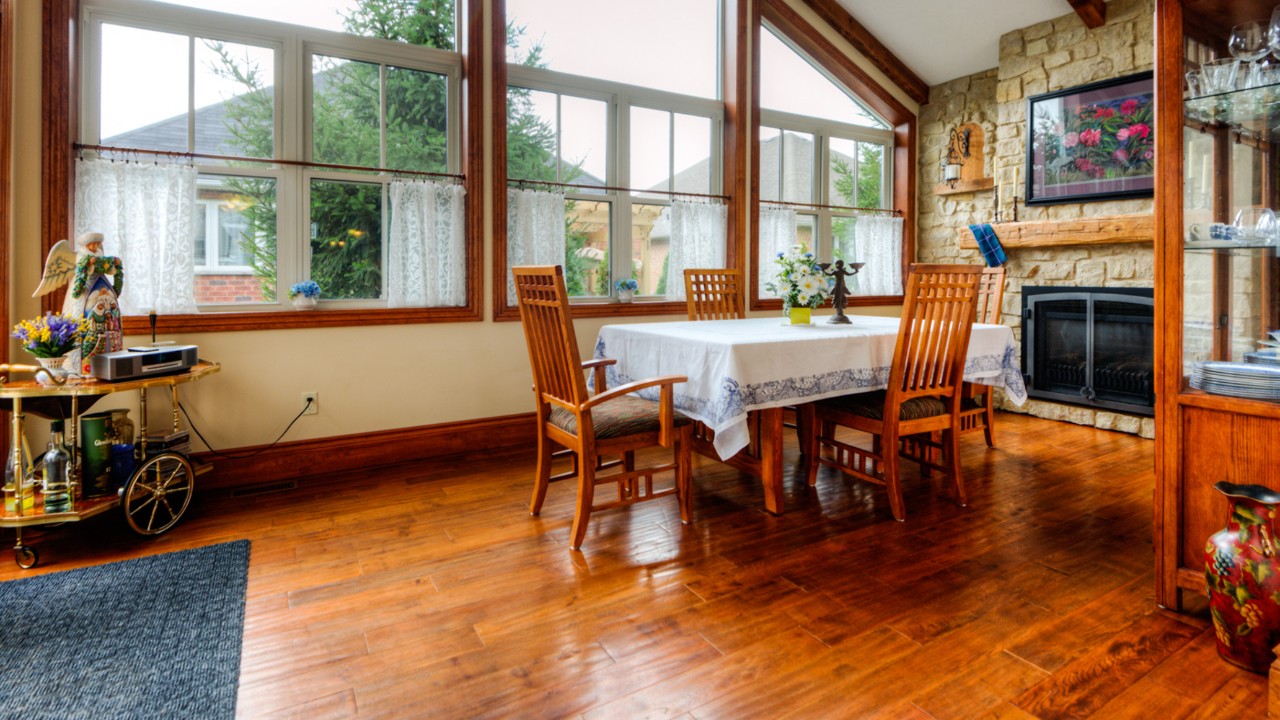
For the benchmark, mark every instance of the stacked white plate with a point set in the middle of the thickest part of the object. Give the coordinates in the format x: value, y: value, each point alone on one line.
x: 1267, y: 356
x: 1249, y: 380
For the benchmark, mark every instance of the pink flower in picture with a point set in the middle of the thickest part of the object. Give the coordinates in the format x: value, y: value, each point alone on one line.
x: 1129, y: 107
x: 1071, y: 140
x: 1097, y: 172
x: 1104, y: 113
x: 1092, y: 137
x: 1083, y: 163
x: 1120, y: 156
x: 1148, y: 154
x: 1122, y: 134
x: 1139, y: 130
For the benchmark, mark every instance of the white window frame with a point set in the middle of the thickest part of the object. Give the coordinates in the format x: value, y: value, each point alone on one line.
x: 209, y: 265
x: 292, y: 132
x: 621, y: 99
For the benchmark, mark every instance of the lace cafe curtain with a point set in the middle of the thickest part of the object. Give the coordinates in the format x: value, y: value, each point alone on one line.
x: 426, y: 247
x: 535, y: 232
x: 146, y: 214
x: 877, y: 241
x: 698, y: 239
x: 777, y: 234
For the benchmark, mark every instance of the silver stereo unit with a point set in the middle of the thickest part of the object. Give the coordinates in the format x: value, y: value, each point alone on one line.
x: 144, y: 362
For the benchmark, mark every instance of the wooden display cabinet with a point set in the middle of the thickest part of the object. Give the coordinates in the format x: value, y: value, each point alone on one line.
x: 1216, y: 157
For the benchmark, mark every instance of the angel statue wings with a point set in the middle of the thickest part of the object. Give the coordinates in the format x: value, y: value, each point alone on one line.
x: 96, y: 282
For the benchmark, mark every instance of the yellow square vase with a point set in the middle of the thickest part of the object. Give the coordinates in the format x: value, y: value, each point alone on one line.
x: 800, y: 316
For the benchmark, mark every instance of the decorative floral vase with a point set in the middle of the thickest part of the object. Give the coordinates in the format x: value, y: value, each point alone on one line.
x: 1242, y: 573
x: 626, y: 295
x: 302, y: 302
x: 800, y: 315
x: 55, y: 366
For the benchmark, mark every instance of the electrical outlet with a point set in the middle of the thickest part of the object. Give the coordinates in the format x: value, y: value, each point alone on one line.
x: 314, y: 407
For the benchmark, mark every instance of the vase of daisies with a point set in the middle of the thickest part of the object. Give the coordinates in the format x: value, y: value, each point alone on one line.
x: 800, y: 283
x: 627, y: 289
x: 304, y: 295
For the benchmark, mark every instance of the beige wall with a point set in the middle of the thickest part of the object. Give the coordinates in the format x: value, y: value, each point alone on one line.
x: 1048, y: 56
x: 368, y: 378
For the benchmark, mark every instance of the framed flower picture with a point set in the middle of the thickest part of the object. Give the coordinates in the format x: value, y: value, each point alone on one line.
x: 1092, y: 142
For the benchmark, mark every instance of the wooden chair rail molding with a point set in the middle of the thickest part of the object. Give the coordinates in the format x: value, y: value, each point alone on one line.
x: 1139, y: 227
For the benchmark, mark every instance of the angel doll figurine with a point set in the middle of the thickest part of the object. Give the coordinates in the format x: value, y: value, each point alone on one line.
x: 96, y: 282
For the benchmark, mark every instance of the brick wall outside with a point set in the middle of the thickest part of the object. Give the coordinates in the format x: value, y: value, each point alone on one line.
x: 227, y: 289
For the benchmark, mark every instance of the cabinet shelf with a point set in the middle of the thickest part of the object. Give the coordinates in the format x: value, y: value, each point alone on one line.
x: 1255, y: 111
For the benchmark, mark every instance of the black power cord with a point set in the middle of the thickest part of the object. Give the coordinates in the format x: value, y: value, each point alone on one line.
x: 252, y: 454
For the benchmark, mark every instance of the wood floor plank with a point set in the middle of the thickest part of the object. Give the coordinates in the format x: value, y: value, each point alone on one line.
x: 1196, y: 670
x: 1088, y: 683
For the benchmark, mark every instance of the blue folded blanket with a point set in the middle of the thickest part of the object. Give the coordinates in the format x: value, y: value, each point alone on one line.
x: 989, y: 244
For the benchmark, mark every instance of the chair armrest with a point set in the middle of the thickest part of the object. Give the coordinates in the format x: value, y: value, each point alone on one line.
x: 600, y: 378
x: 666, y: 406
x: 632, y: 387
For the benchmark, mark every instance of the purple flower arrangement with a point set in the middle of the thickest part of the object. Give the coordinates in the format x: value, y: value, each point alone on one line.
x: 50, y: 336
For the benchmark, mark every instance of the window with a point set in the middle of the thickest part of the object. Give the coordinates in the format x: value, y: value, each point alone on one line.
x: 582, y: 110
x: 361, y: 91
x: 827, y: 161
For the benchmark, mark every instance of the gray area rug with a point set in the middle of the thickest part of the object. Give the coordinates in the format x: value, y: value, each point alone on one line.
x: 155, y: 637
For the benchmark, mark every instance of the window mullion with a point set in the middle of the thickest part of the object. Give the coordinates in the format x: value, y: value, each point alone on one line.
x: 191, y: 98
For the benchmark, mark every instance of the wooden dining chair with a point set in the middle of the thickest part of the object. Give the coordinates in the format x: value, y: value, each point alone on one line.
x: 714, y: 294
x: 923, y: 394
x: 979, y: 410
x: 612, y: 422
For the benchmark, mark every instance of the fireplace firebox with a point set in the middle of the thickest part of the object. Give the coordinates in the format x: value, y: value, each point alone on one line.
x: 1090, y: 346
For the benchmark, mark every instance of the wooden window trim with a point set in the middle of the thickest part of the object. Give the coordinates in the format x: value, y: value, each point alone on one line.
x: 59, y: 129
x: 735, y: 68
x: 796, y: 29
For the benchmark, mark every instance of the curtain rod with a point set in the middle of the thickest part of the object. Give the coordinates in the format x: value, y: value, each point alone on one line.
x: 524, y: 181
x: 192, y: 155
x: 832, y: 207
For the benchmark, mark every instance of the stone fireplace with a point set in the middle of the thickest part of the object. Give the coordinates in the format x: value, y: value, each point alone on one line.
x: 1052, y: 55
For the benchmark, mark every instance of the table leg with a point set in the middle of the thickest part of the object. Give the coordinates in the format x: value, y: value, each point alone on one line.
x: 771, y: 458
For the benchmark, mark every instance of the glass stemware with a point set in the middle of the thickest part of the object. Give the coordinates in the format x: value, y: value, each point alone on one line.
x: 1219, y: 76
x: 1251, y: 40
x: 1273, y: 32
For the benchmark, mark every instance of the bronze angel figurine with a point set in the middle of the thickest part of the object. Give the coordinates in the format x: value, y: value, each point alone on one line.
x: 96, y: 282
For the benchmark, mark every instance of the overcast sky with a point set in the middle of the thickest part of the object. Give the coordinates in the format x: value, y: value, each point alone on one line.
x: 145, y: 73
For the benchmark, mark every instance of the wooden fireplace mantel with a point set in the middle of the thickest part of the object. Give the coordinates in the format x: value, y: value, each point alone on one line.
x: 1139, y: 227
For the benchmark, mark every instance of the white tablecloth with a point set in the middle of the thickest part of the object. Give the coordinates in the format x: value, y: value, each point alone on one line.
x: 738, y: 365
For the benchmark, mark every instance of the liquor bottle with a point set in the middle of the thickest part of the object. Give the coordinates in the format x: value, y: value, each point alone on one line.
x: 16, y: 483
x: 56, y: 461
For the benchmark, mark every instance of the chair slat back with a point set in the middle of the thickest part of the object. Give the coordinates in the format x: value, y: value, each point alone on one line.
x: 548, y: 330
x: 990, y: 294
x: 933, y: 339
x: 714, y: 294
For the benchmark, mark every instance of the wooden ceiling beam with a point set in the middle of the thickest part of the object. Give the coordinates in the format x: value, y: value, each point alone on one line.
x: 864, y: 42
x: 1092, y: 12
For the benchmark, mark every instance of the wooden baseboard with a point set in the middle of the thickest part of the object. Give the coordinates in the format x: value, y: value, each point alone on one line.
x: 320, y: 456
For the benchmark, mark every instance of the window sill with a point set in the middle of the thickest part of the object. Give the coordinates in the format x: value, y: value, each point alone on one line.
x: 868, y: 301
x: 295, y: 319
x: 607, y: 309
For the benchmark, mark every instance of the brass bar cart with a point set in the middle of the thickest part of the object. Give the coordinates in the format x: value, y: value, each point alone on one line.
x: 156, y: 494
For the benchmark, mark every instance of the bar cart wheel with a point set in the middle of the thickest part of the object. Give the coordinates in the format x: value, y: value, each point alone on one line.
x: 26, y: 557
x: 158, y: 493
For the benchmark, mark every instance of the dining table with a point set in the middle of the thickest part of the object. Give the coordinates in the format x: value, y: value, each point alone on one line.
x: 742, y: 373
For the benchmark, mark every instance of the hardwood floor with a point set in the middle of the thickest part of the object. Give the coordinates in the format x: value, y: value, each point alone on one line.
x: 431, y: 592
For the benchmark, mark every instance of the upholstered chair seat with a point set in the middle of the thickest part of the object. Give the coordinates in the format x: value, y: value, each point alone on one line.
x: 626, y: 415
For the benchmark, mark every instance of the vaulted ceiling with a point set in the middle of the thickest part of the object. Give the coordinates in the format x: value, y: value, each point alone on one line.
x: 942, y: 40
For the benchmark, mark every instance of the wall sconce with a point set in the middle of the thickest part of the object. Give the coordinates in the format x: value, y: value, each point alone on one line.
x: 957, y: 153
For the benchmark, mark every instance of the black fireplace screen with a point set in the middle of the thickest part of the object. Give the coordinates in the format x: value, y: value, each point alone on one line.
x: 1090, y: 346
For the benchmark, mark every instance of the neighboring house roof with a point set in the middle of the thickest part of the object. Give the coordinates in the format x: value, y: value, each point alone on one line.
x: 797, y: 169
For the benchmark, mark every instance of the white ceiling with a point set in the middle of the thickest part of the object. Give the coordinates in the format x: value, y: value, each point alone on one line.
x: 942, y: 40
